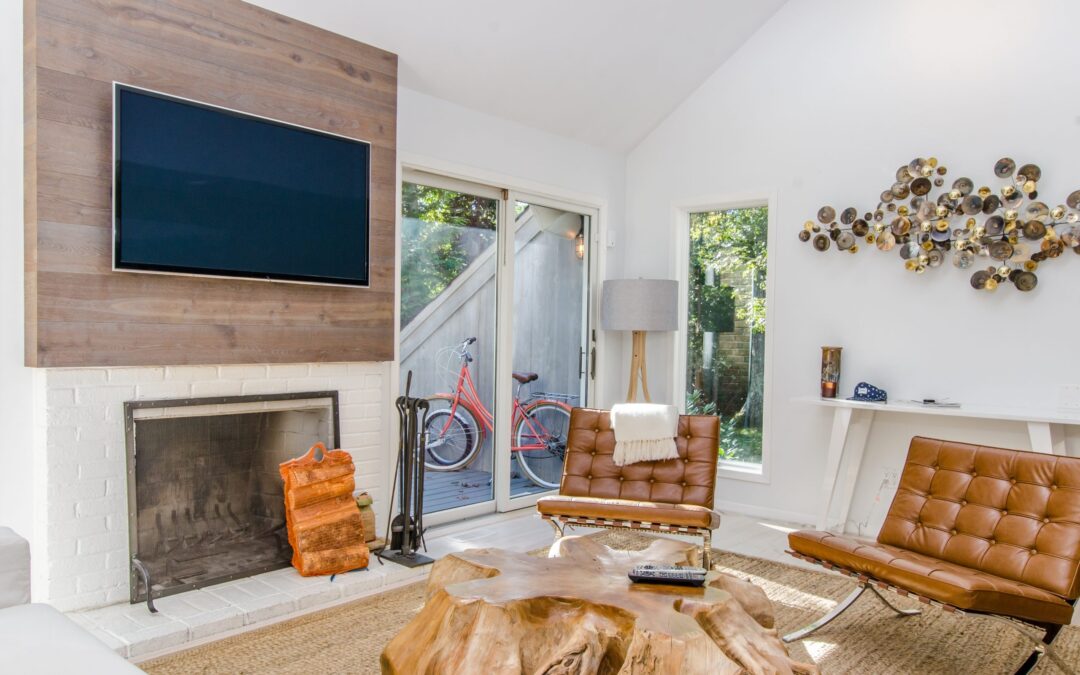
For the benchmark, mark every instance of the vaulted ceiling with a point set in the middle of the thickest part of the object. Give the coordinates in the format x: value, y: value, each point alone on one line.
x: 604, y: 72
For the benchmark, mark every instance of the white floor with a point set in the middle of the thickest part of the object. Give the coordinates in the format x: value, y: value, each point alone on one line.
x: 527, y: 532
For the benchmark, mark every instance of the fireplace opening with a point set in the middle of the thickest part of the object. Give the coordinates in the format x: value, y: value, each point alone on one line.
x: 205, y: 497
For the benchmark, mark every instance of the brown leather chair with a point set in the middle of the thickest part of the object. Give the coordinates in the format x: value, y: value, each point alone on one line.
x: 972, y: 530
x: 674, y: 495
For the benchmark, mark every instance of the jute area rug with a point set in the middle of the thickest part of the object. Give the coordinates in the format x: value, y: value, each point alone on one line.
x: 867, y: 639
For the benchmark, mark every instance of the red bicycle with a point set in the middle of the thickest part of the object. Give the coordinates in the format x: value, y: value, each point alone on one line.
x: 459, y: 422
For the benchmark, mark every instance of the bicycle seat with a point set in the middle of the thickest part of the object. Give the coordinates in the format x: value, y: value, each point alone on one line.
x: 526, y: 378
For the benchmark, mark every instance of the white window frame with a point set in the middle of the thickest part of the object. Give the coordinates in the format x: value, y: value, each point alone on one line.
x: 681, y: 234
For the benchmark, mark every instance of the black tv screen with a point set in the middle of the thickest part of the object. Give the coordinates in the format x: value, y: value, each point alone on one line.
x: 200, y: 189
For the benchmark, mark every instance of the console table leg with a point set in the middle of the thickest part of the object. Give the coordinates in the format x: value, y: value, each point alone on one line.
x: 840, y: 426
x: 1046, y: 437
x: 858, y: 433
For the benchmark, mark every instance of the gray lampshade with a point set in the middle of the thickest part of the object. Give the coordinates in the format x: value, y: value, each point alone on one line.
x: 639, y: 304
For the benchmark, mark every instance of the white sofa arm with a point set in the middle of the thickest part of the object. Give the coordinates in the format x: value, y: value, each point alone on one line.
x: 14, y: 569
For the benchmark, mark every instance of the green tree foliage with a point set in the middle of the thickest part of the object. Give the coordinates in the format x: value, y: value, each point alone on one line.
x: 731, y: 244
x: 433, y: 252
x: 733, y: 241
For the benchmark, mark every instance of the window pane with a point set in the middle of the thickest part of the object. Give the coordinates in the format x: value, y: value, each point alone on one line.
x: 448, y: 270
x: 443, y: 232
x: 550, y: 278
x: 725, y: 362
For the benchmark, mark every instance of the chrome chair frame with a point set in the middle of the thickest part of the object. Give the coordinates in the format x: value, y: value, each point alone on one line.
x: 1040, y: 647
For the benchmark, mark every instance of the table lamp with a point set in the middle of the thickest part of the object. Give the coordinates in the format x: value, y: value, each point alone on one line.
x: 639, y: 305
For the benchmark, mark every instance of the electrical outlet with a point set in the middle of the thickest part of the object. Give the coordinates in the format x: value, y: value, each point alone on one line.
x: 1069, y: 396
x: 892, y: 478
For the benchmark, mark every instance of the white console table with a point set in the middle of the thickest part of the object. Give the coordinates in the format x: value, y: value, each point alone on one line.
x: 851, y: 427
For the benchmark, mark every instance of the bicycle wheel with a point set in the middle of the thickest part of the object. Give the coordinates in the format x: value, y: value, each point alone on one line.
x: 540, y: 434
x: 453, y: 438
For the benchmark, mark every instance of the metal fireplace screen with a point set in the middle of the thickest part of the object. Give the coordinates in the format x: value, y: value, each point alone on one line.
x: 205, y: 496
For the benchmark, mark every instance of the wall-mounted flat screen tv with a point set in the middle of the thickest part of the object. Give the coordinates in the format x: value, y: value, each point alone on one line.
x: 199, y: 189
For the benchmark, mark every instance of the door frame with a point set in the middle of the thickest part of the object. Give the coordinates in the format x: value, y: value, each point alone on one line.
x: 504, y: 394
x: 681, y: 230
x: 469, y: 178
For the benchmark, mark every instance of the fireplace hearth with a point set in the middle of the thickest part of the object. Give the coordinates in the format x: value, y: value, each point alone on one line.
x: 205, y: 496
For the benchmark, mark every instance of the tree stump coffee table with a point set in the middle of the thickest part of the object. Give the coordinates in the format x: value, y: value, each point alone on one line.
x: 491, y: 611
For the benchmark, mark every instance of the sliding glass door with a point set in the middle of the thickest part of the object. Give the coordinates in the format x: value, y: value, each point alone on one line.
x: 495, y: 333
x: 550, y: 328
x: 449, y: 233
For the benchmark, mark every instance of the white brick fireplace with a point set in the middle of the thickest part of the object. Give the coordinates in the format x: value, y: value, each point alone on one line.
x: 80, y: 471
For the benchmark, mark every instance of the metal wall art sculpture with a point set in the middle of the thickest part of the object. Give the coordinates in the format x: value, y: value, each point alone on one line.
x: 1008, y: 228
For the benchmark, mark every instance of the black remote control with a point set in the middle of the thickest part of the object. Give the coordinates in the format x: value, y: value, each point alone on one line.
x: 668, y: 574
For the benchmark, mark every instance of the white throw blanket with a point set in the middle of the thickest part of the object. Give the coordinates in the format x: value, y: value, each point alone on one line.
x: 644, y: 432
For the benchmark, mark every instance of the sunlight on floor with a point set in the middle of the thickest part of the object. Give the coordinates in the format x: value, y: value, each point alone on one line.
x: 818, y: 649
x: 778, y: 528
x: 796, y: 597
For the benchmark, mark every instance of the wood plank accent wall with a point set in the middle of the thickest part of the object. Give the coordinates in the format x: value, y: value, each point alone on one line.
x: 81, y: 313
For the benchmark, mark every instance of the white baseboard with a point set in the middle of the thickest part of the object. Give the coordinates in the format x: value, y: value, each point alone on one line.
x: 754, y: 511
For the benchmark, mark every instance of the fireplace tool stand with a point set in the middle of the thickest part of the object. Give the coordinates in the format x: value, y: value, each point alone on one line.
x: 406, y: 529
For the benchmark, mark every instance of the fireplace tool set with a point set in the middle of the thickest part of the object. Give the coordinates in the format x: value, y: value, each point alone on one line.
x: 406, y: 530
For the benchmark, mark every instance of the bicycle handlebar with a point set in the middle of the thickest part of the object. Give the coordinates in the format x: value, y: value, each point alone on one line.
x: 464, y: 349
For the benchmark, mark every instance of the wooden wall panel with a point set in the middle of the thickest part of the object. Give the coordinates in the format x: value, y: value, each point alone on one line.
x: 224, y: 52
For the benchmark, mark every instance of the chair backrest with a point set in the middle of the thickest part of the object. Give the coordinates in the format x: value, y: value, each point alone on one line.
x: 1008, y: 513
x: 590, y: 472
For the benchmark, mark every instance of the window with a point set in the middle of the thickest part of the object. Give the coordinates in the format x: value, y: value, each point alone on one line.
x: 443, y: 232
x: 725, y: 327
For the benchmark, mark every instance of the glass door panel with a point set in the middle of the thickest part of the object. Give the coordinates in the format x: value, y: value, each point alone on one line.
x: 449, y: 273
x: 550, y: 332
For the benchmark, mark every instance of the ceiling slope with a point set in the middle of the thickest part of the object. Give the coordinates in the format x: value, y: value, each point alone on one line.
x: 604, y: 72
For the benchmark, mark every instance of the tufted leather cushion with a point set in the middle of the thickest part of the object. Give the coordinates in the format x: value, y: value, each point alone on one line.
x: 593, y: 482
x: 981, y: 528
x: 1012, y: 514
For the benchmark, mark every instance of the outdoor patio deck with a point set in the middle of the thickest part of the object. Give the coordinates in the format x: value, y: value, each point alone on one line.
x: 451, y: 489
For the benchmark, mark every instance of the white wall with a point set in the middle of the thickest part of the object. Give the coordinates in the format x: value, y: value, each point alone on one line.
x: 822, y: 105
x: 15, y: 381
x: 443, y: 135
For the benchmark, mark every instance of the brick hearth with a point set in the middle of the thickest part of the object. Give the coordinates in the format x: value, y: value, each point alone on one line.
x: 134, y: 632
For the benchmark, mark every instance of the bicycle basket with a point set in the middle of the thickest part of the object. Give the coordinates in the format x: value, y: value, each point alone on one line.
x: 447, y: 362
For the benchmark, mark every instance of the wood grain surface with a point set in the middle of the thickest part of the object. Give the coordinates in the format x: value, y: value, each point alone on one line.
x: 576, y: 613
x: 225, y: 52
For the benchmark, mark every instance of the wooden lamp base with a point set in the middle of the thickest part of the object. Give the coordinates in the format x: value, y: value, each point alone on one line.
x: 637, y: 369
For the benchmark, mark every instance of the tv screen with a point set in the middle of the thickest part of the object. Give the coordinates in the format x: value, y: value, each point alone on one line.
x: 205, y: 190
